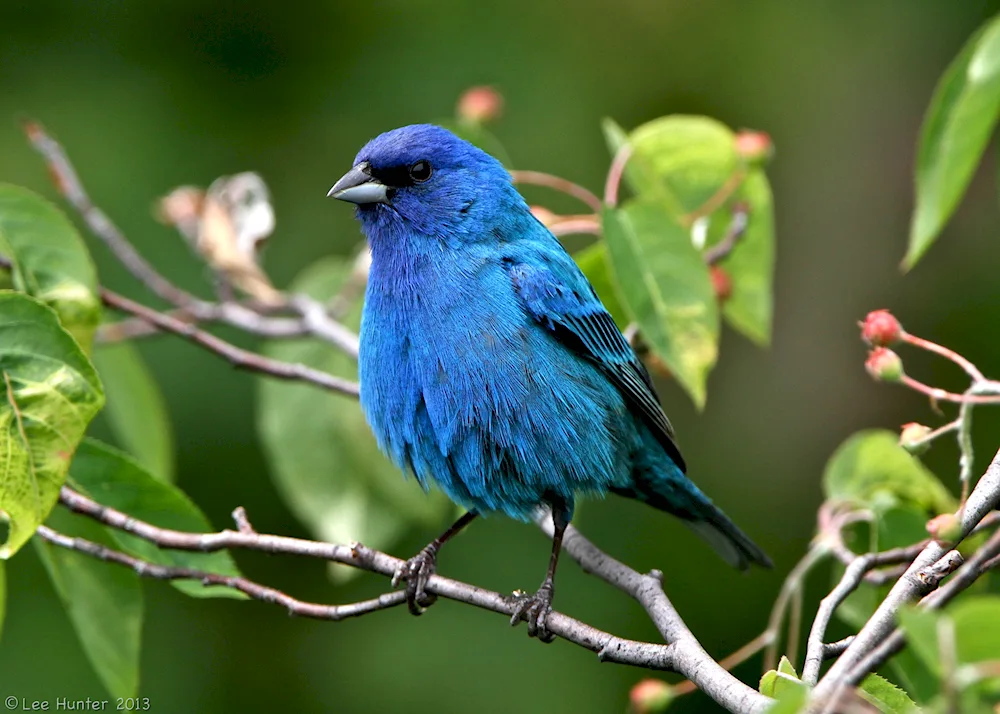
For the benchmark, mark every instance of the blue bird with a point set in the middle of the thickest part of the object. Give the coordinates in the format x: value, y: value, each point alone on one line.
x: 488, y: 364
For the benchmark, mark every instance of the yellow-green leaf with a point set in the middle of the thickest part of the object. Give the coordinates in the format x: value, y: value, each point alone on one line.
x: 135, y: 407
x: 957, y: 128
x: 51, y: 261
x: 50, y: 394
x: 665, y: 288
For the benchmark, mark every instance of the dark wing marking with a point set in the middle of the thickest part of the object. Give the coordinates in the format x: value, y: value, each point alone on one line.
x: 579, y: 320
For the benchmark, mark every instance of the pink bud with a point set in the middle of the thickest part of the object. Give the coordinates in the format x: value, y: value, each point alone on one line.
x: 650, y: 696
x: 884, y: 364
x: 754, y: 146
x: 881, y: 328
x: 945, y: 527
x: 480, y: 105
x: 911, y: 438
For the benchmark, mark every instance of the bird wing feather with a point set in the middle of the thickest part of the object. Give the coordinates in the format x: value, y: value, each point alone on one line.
x: 559, y: 296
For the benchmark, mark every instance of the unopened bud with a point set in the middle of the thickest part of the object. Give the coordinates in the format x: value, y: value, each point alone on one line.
x: 946, y: 527
x: 754, y: 146
x: 650, y: 696
x: 880, y: 328
x: 885, y: 365
x: 912, y: 436
x: 480, y: 105
x: 722, y: 284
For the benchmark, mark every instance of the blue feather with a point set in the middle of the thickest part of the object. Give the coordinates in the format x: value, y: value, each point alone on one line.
x: 488, y: 365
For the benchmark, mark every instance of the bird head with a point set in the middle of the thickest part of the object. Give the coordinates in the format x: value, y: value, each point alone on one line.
x: 424, y: 179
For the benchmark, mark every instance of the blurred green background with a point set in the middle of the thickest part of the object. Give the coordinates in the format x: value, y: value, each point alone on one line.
x: 149, y: 95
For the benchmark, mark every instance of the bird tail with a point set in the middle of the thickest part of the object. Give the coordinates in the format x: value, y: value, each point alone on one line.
x: 728, y: 540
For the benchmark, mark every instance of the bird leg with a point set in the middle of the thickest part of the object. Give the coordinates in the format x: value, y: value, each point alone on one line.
x: 534, y: 609
x: 417, y: 570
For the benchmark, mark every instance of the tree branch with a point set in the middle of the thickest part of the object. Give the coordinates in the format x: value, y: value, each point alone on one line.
x: 238, y: 357
x: 683, y: 653
x: 919, y: 579
x: 315, y: 320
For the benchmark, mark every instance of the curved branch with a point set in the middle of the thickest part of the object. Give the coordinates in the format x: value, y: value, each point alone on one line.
x: 683, y: 653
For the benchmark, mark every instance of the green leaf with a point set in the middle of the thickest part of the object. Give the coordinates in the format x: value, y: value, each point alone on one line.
x: 682, y: 161
x: 790, y: 700
x: 751, y: 263
x: 51, y: 261
x: 51, y: 392
x: 886, y: 696
x: 977, y: 628
x: 870, y: 469
x: 323, y: 456
x: 135, y: 407
x: 778, y: 682
x: 957, y: 127
x: 665, y: 288
x: 920, y: 627
x: 689, y: 164
x: 786, y: 667
x: 595, y: 264
x: 103, y: 601
x: 114, y: 479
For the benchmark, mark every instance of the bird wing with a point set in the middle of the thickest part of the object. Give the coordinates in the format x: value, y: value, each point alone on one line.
x: 558, y: 296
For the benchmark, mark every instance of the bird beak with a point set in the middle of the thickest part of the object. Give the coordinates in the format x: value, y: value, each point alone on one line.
x: 358, y: 186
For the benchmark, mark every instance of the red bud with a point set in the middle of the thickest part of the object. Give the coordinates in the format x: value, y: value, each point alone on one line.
x: 884, y: 364
x: 721, y: 283
x: 650, y: 696
x: 480, y: 105
x: 881, y: 328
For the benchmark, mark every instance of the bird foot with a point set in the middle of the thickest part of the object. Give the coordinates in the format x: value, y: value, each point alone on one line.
x: 534, y: 609
x: 416, y: 572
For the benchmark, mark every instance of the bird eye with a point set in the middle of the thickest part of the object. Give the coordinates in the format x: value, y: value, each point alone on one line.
x: 420, y: 171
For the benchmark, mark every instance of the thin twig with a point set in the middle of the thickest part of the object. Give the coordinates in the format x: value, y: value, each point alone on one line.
x: 615, y: 173
x: 940, y: 395
x: 792, y: 584
x: 915, y: 582
x: 737, y: 228
x: 538, y: 178
x: 238, y: 357
x: 254, y: 590
x: 853, y: 575
x: 69, y: 185
x: 970, y: 369
x: 316, y: 320
x: 717, y: 199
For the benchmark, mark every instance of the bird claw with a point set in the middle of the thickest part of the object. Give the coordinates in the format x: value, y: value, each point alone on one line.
x: 534, y: 609
x: 416, y: 572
